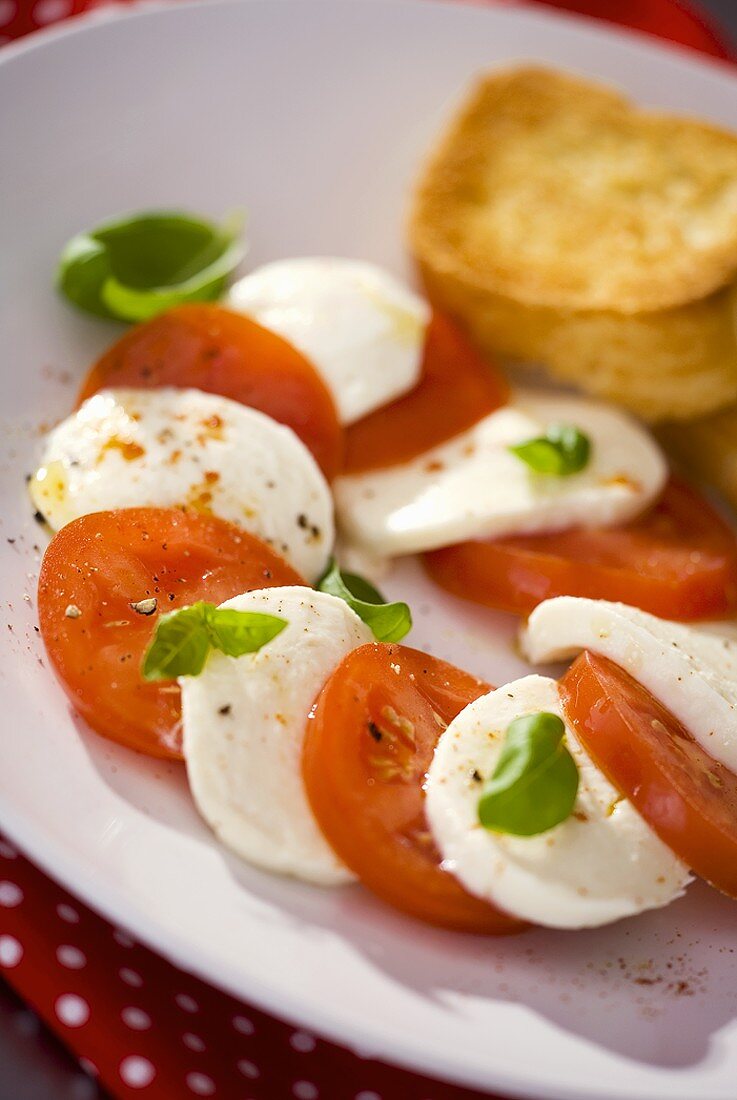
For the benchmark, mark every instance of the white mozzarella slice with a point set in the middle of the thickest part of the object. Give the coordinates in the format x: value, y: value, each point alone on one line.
x: 361, y: 328
x: 473, y: 487
x: 244, y: 722
x: 126, y: 448
x: 692, y: 671
x: 601, y: 864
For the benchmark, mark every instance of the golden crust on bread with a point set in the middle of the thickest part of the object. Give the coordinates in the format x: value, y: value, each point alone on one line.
x: 555, y: 192
x: 673, y: 364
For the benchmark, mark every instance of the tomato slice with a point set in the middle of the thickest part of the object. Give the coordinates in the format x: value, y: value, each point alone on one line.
x: 370, y: 739
x: 457, y: 388
x: 99, y: 565
x: 678, y: 561
x: 688, y: 798
x: 213, y: 349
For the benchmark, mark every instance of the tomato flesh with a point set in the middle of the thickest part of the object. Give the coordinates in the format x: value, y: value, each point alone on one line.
x: 688, y: 798
x: 96, y: 567
x: 213, y: 349
x: 457, y: 388
x: 369, y: 742
x: 678, y: 561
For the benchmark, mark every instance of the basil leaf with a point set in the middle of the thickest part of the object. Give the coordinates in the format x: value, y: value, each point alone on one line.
x: 237, y: 632
x: 180, y: 645
x: 183, y: 639
x: 389, y: 622
x: 535, y: 782
x: 136, y: 267
x: 562, y: 451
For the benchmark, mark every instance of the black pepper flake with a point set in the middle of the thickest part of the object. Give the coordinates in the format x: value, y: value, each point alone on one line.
x: 11, y: 541
x: 27, y: 478
x: 476, y: 775
x: 374, y: 731
x: 39, y: 517
x: 225, y: 709
x: 302, y: 521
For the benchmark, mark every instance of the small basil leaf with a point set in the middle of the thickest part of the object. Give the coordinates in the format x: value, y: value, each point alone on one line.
x: 389, y: 622
x: 183, y: 639
x: 237, y: 632
x: 136, y: 267
x: 535, y: 782
x: 563, y: 450
x: 180, y: 645
x: 84, y: 266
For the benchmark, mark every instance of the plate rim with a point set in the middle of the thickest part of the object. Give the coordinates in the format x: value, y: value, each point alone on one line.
x: 76, y: 872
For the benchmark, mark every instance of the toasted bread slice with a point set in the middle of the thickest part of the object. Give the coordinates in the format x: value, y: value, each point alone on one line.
x: 672, y: 364
x: 555, y: 192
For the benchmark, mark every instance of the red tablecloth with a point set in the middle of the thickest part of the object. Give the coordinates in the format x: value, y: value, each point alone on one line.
x: 141, y: 1025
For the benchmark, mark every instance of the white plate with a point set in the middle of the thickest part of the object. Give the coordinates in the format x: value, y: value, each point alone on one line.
x: 314, y: 116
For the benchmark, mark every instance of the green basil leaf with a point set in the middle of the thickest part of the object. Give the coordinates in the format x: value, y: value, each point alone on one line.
x: 183, y: 639
x: 389, y: 622
x: 563, y: 450
x: 138, y: 266
x: 84, y: 266
x: 535, y: 781
x: 180, y: 645
x: 237, y: 632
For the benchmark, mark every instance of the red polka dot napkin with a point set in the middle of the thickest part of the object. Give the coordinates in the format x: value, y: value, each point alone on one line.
x: 134, y: 1021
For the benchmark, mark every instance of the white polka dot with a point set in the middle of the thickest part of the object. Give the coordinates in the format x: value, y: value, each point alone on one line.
x: 248, y: 1069
x: 88, y: 1067
x: 11, y: 951
x: 10, y: 895
x: 200, y: 1084
x: 7, y: 851
x: 302, y: 1042
x: 123, y: 939
x: 136, y: 1072
x: 367, y: 1095
x: 136, y: 1018
x: 193, y: 1042
x: 187, y: 1003
x: 71, y: 916
x: 7, y: 11
x: 71, y: 957
x: 305, y: 1090
x: 243, y: 1025
x: 49, y: 11
x: 130, y: 977
x: 72, y: 1010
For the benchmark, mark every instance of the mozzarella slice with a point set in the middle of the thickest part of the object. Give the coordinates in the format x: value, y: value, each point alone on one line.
x: 166, y: 447
x: 362, y: 330
x: 601, y: 864
x: 691, y: 671
x: 244, y: 720
x: 473, y: 487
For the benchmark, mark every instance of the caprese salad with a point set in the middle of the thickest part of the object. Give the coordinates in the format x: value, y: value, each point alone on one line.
x: 192, y: 606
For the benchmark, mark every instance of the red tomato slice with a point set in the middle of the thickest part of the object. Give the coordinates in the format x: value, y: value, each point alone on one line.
x: 458, y: 387
x: 370, y: 740
x: 687, y: 797
x: 213, y: 349
x: 102, y: 563
x: 678, y: 561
